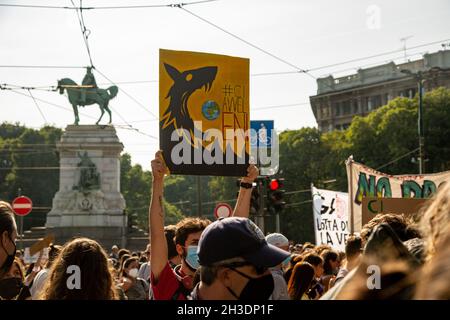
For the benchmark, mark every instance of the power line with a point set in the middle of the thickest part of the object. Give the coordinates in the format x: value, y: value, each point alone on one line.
x: 373, y: 63
x: 243, y: 40
x: 254, y: 74
x: 127, y: 94
x: 37, y: 105
x: 130, y: 127
x: 32, y: 6
x: 396, y: 159
x: 375, y: 55
x: 42, y: 67
x: 106, y: 7
x: 52, y: 104
x: 83, y: 28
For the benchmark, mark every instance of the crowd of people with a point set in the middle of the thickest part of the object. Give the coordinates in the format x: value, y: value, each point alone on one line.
x: 393, y: 257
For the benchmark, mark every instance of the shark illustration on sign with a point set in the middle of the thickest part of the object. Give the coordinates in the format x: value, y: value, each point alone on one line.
x: 177, y: 115
x: 202, y: 98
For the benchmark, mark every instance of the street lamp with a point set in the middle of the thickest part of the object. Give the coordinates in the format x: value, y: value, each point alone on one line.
x: 419, y: 78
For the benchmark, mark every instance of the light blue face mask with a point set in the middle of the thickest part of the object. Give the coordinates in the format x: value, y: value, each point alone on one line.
x: 192, y: 257
x: 285, y: 262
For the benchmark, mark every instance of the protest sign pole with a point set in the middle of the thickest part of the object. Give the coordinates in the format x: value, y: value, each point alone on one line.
x: 19, y: 193
x: 314, y: 214
x: 350, y: 192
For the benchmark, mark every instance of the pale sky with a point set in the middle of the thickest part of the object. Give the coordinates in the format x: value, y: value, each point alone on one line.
x: 124, y: 45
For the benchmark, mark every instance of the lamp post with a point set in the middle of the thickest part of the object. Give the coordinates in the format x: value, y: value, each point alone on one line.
x: 418, y: 76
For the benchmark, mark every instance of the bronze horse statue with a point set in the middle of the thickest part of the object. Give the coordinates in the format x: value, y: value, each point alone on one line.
x: 93, y: 95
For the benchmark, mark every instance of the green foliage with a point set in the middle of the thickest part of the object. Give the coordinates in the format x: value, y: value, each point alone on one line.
x: 136, y: 189
x: 24, y: 156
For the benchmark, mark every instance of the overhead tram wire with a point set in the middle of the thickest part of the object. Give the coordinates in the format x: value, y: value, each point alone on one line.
x: 41, y: 67
x: 37, y: 105
x: 254, y: 74
x: 53, y: 104
x: 300, y: 70
x: 127, y: 94
x: 106, y: 7
x: 85, y: 32
x: 83, y: 28
x: 376, y: 55
x: 396, y: 159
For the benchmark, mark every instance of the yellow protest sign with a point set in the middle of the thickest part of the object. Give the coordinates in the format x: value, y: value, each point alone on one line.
x: 44, y: 243
x: 204, y: 113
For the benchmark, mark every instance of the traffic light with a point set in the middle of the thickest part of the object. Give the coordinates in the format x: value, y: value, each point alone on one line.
x: 275, y: 196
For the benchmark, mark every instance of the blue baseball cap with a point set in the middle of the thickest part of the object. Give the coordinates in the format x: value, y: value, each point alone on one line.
x: 235, y: 237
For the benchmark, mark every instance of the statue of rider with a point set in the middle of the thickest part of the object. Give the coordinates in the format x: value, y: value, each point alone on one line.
x: 88, y: 80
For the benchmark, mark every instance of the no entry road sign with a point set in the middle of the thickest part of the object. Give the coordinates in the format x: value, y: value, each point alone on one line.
x: 22, y: 205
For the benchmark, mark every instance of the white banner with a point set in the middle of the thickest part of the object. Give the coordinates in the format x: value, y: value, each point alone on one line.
x: 367, y: 182
x: 330, y: 217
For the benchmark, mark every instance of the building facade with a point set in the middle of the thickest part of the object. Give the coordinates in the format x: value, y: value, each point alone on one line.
x: 338, y: 100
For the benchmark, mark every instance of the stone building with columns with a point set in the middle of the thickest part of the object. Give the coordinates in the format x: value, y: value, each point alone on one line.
x: 338, y: 100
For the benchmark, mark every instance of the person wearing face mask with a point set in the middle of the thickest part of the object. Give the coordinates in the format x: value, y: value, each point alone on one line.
x: 234, y: 262
x: 8, y: 234
x: 13, y: 281
x: 176, y: 283
x: 134, y: 287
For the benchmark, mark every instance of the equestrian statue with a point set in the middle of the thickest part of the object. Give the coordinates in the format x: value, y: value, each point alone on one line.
x: 86, y: 94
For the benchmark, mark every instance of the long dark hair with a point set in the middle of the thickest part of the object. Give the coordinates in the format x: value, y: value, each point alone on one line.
x: 313, y: 259
x: 6, y: 218
x: 96, y: 280
x: 328, y: 256
x: 6, y: 224
x: 300, y: 281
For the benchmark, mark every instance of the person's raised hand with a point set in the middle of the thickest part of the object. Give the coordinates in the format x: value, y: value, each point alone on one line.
x: 159, y: 168
x: 252, y: 174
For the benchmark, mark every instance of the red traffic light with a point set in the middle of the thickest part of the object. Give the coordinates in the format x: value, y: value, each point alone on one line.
x: 274, y: 184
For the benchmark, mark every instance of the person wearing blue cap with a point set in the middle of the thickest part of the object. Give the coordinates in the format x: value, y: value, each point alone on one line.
x: 234, y: 259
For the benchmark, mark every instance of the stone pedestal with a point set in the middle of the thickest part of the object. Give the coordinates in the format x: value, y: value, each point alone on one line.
x: 97, y: 213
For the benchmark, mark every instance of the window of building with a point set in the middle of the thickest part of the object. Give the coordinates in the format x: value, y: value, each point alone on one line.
x: 355, y: 106
x: 373, y: 102
x: 408, y: 93
x: 337, y: 108
x: 376, y: 101
x: 324, y: 111
x: 368, y: 104
x: 346, y: 107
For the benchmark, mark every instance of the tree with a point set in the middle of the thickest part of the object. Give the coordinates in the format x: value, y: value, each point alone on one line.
x: 135, y: 185
x: 29, y: 162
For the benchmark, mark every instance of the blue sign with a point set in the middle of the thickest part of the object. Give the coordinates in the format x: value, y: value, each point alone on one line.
x: 261, y: 133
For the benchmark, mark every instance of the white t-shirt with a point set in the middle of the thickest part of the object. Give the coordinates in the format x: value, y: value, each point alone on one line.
x: 144, y: 272
x: 38, y: 284
x: 280, y: 287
